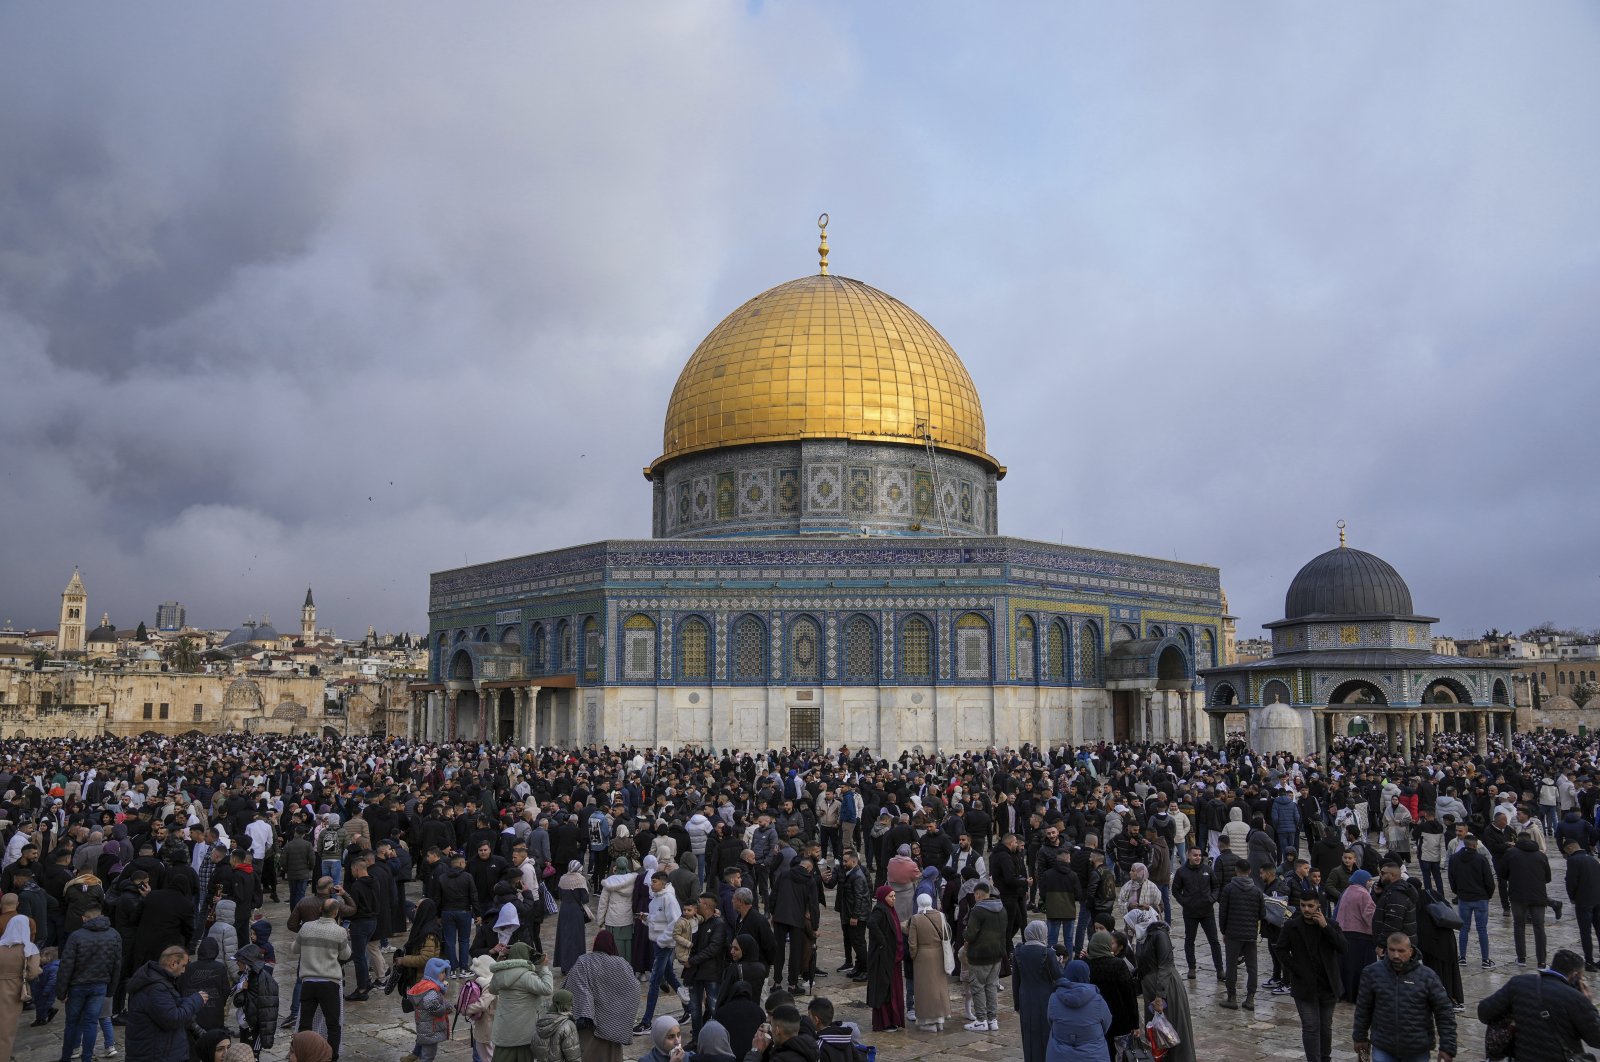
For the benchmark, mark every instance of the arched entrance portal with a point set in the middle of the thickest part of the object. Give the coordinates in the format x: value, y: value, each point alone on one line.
x: 506, y: 718
x: 466, y: 715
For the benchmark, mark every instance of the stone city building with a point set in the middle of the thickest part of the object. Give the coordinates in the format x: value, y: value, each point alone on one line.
x: 826, y: 569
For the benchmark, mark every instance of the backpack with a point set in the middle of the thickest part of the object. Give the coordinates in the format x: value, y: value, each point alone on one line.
x: 597, y: 837
x: 1369, y: 860
x: 831, y: 1050
x: 471, y: 992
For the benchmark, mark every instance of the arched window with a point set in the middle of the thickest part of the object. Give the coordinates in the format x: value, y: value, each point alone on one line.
x: 972, y: 647
x: 591, y: 650
x: 639, y: 648
x: 1089, y: 653
x: 749, y: 651
x: 805, y: 650
x: 861, y: 651
x: 1122, y: 633
x: 482, y: 635
x: 1025, y: 649
x: 1057, y: 649
x: 694, y: 650
x: 1208, y: 649
x: 916, y: 650
x: 564, y: 641
x: 1156, y: 631
x: 539, y: 649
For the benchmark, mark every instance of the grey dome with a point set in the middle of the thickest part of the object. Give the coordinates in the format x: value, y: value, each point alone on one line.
x: 250, y: 632
x: 103, y: 633
x: 1347, y: 582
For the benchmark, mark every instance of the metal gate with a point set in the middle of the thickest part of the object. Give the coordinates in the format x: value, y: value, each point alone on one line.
x: 805, y: 728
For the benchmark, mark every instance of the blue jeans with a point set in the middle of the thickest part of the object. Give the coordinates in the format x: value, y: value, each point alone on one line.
x: 457, y: 939
x: 660, y: 973
x: 702, y: 1004
x: 1080, y: 931
x: 108, y: 1032
x: 297, y: 891
x: 1166, y: 903
x: 332, y: 868
x: 1286, y: 841
x: 361, y: 930
x: 1470, y: 911
x: 1064, y: 926
x: 83, y: 1019
x: 1380, y: 1055
x: 1431, y: 877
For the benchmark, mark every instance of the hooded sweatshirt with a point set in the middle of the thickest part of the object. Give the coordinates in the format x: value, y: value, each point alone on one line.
x: 431, y: 1002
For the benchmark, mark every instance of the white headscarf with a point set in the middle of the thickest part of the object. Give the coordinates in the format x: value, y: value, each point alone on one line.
x: 17, y: 932
x: 1139, y: 922
x: 924, y: 902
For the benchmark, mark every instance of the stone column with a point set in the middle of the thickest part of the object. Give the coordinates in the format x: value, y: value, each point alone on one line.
x: 451, y: 704
x: 1482, y: 719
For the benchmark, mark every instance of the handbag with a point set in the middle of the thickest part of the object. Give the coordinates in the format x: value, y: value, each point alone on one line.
x: 1500, y: 1038
x: 1275, y: 911
x: 550, y: 905
x: 1443, y: 915
x: 949, y: 952
x: 1131, y: 1047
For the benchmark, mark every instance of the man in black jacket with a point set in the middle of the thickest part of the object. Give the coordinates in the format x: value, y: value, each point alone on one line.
x: 1395, y: 903
x: 1309, y: 947
x: 1010, y: 870
x: 1527, y: 874
x: 457, y: 895
x: 1195, y: 887
x: 91, y: 964
x: 1583, y: 889
x: 853, y: 901
x: 708, y: 955
x: 1552, y: 1010
x: 795, y: 917
x: 1241, y: 906
x: 1399, y: 1005
x: 1472, y: 880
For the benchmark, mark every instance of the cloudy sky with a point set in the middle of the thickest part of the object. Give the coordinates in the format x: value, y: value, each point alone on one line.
x: 339, y: 295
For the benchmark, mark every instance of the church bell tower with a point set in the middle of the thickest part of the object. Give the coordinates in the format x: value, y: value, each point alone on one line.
x: 308, y: 619
x: 74, y: 616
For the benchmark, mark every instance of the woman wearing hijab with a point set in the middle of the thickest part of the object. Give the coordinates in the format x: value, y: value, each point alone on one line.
x: 1139, y: 890
x: 886, y: 990
x: 605, y: 1000
x: 713, y: 1045
x: 212, y: 1046
x: 1112, y: 975
x: 925, y: 942
x: 904, y: 876
x: 1355, y: 920
x: 422, y: 944
x: 615, y: 912
x: 643, y: 955
x: 522, y: 991
x: 573, y: 888
x: 1079, y: 1020
x: 19, y: 962
x: 310, y: 1046
x: 1158, y: 980
x: 665, y: 1038
x: 1034, y: 973
x: 744, y: 964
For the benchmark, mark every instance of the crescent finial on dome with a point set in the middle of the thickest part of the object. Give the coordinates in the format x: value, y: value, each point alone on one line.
x: 822, y: 244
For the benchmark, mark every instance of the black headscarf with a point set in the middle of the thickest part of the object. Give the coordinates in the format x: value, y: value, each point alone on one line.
x: 424, y: 923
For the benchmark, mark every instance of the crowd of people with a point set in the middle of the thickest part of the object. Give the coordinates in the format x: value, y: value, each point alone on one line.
x: 561, y: 904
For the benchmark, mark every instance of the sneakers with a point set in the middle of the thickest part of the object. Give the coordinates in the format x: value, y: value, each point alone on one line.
x: 1522, y: 962
x: 974, y: 1026
x: 642, y: 1029
x: 683, y: 995
x: 1282, y: 990
x: 1461, y: 962
x: 994, y: 1024
x: 1459, y: 1007
x: 1488, y: 964
x: 1556, y: 905
x: 109, y: 1051
x: 290, y: 1022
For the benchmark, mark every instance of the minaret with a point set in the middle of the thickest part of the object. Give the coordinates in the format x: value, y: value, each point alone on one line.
x: 1230, y: 635
x: 74, y: 615
x: 308, y: 619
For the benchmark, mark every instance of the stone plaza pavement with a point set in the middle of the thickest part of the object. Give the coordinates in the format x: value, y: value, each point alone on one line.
x: 377, y: 1030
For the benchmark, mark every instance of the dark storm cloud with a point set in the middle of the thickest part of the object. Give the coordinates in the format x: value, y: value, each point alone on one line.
x: 1221, y: 279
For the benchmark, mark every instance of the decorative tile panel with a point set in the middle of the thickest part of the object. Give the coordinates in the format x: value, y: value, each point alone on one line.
x: 755, y: 492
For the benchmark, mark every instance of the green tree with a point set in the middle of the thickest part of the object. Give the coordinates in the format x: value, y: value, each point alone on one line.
x: 184, y: 657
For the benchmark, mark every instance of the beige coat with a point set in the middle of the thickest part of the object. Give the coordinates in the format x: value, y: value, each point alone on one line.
x: 14, y: 966
x: 928, y: 931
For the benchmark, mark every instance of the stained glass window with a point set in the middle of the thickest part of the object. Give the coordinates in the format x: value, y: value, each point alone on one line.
x: 972, y: 647
x: 805, y: 658
x: 748, y: 657
x: 1025, y: 648
x: 639, y: 647
x: 916, y: 649
x: 564, y: 635
x: 1089, y: 653
x: 538, y: 649
x: 591, y: 649
x: 1058, y: 651
x: 694, y: 647
x: 860, y: 651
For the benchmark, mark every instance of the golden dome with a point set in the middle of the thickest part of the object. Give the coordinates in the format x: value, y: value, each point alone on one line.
x: 823, y: 357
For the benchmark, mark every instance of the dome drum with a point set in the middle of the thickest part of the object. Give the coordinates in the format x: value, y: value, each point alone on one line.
x: 824, y: 487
